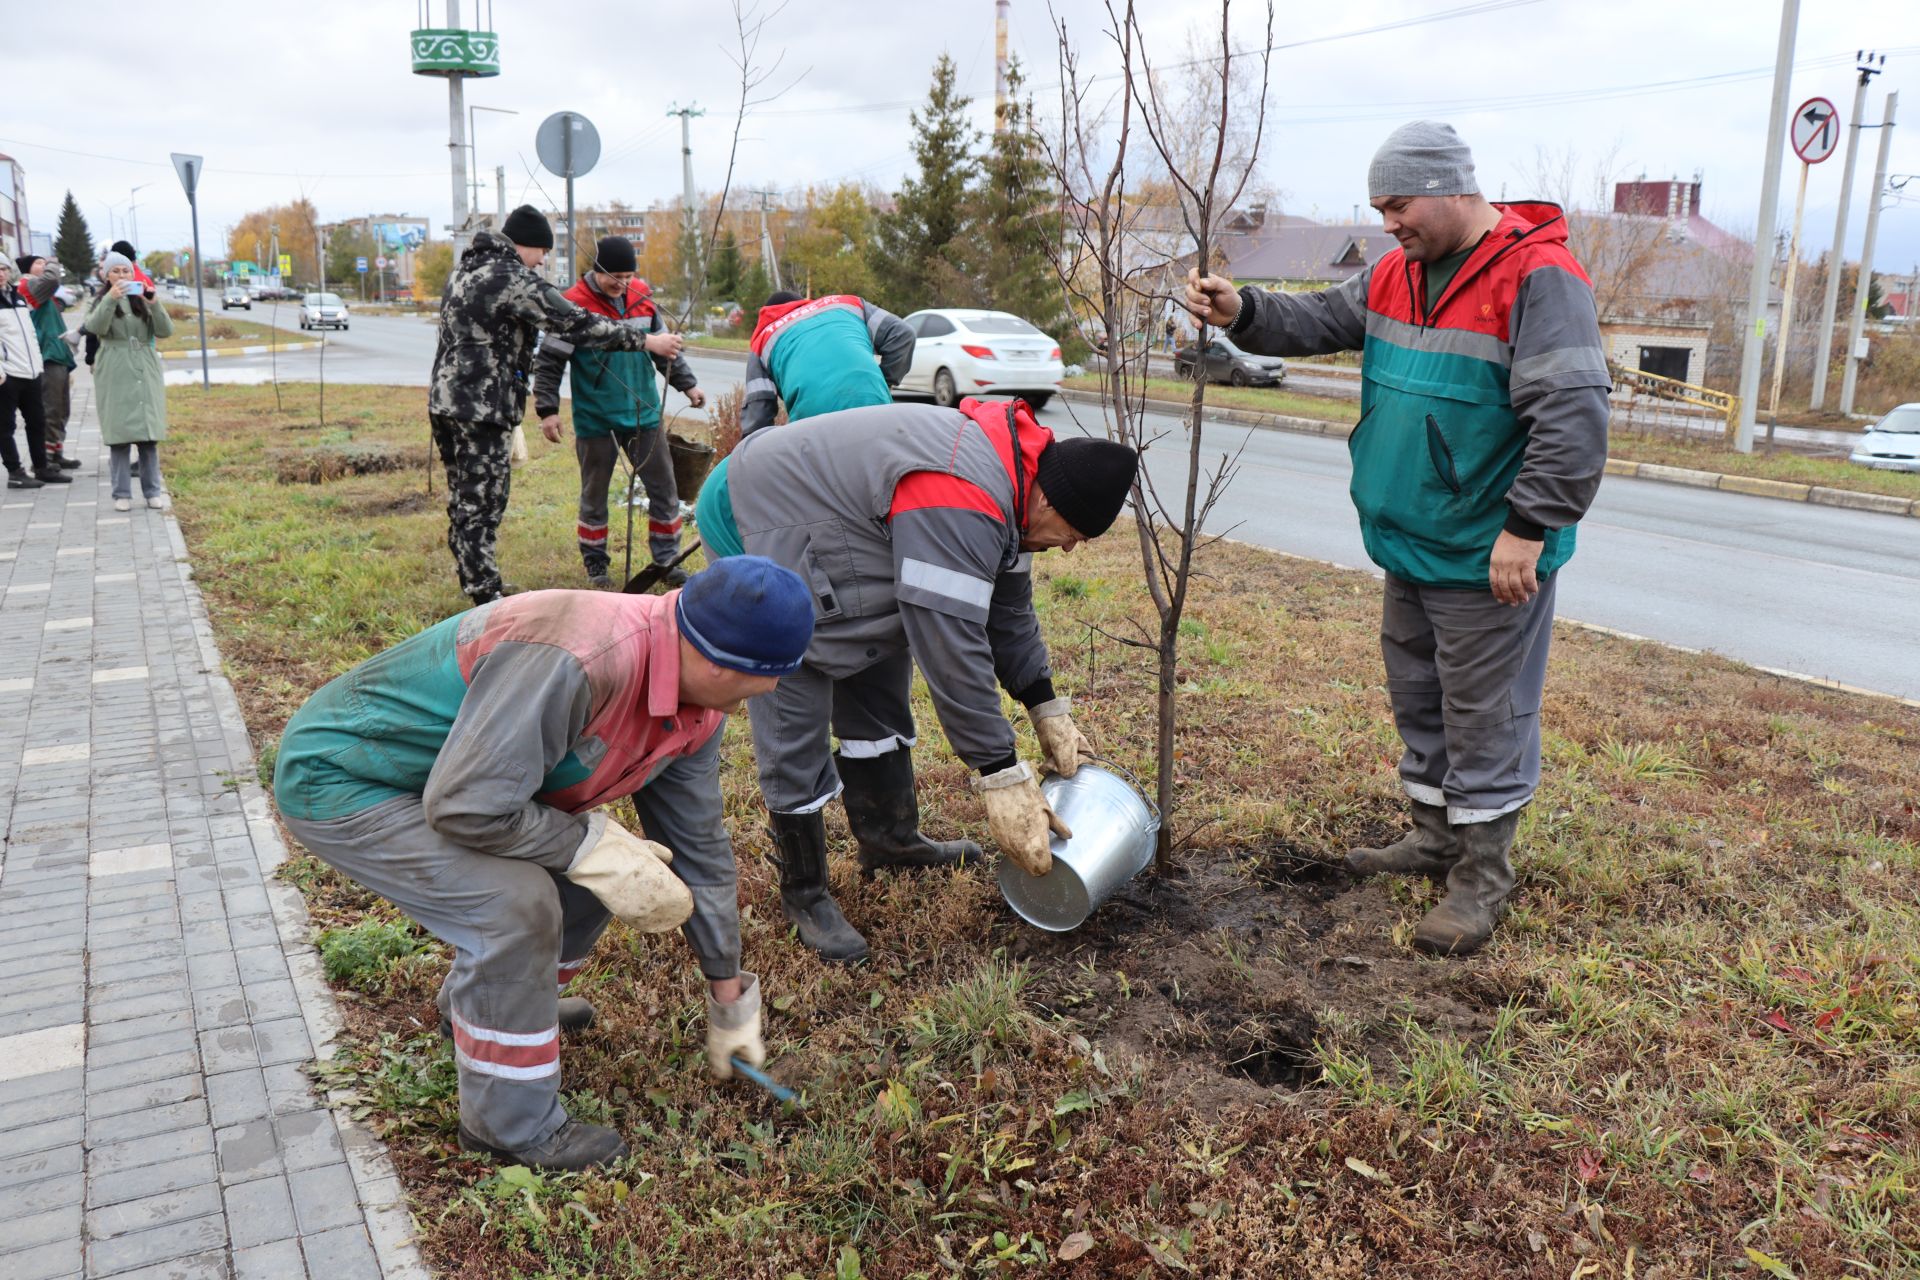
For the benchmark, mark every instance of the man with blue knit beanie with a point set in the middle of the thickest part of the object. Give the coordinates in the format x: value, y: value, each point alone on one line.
x: 460, y: 776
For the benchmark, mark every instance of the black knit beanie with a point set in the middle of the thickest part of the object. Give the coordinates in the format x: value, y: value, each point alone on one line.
x: 527, y: 226
x: 26, y: 260
x: 614, y: 254
x: 1087, y: 481
x: 121, y: 246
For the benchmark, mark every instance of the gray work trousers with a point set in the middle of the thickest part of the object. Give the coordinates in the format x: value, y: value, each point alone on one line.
x: 120, y: 469
x: 519, y: 931
x: 56, y: 393
x: 650, y: 455
x: 870, y: 711
x: 1465, y: 674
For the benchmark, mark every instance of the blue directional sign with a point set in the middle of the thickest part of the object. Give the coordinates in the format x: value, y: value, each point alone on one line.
x: 360, y: 265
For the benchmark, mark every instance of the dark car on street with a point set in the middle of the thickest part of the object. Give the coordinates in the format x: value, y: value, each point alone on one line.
x: 1224, y: 362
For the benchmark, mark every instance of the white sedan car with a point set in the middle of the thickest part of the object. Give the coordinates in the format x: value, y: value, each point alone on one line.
x: 969, y: 353
x: 323, y: 311
x: 1893, y: 443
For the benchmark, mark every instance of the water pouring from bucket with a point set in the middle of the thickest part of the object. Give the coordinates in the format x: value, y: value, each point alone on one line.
x: 1114, y: 827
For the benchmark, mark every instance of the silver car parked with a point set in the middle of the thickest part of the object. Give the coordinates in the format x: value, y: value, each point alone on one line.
x: 1893, y: 443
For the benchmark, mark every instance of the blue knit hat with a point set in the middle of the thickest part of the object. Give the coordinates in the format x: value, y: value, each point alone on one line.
x: 747, y: 613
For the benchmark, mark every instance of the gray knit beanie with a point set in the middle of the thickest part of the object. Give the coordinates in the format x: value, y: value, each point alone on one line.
x: 1425, y: 158
x: 113, y: 260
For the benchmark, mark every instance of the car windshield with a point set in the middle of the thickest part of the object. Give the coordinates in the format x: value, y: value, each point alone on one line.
x: 1904, y: 421
x: 323, y: 299
x: 998, y: 323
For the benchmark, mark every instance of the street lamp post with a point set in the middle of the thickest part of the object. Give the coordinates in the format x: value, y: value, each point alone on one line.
x: 473, y: 146
x: 133, y: 222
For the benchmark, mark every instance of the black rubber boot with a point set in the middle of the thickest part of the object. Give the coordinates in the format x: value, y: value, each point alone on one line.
x: 800, y: 843
x: 21, y: 480
x: 1477, y: 889
x: 664, y: 550
x: 574, y: 1146
x: 884, y: 813
x: 51, y: 474
x: 1427, y: 850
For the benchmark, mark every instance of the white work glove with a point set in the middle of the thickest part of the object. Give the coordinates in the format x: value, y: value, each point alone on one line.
x: 735, y: 1028
x: 1060, y: 739
x: 1020, y: 817
x: 517, y: 449
x: 630, y: 877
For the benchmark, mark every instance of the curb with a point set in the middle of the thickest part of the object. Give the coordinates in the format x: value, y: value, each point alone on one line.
x: 383, y: 1202
x: 262, y: 350
x: 1779, y: 490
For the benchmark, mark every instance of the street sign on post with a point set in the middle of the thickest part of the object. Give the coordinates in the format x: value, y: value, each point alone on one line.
x: 286, y: 265
x: 1816, y: 130
x: 569, y: 146
x: 189, y: 167
x: 360, y: 265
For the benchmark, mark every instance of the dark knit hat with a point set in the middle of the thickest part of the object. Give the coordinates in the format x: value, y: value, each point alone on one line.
x: 122, y: 246
x: 1087, y: 481
x: 747, y: 613
x: 614, y: 254
x: 26, y: 260
x: 529, y: 227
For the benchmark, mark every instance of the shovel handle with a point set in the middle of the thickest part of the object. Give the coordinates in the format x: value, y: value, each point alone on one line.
x: 780, y: 1092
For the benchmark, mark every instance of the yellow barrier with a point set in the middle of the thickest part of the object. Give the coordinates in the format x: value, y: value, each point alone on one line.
x: 1638, y: 382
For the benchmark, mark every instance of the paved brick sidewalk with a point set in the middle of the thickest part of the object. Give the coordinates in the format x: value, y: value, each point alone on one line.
x: 157, y: 998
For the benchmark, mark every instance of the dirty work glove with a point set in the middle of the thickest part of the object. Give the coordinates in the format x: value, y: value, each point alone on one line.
x: 735, y: 1028
x: 630, y: 877
x: 1020, y: 817
x: 1065, y: 746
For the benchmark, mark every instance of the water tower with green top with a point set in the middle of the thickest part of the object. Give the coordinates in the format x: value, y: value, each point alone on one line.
x: 458, y: 54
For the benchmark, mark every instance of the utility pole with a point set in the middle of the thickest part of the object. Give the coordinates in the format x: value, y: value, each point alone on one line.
x: 1761, y: 278
x: 133, y: 220
x: 767, y: 256
x: 1823, y: 347
x: 695, y: 276
x: 1863, y: 282
x: 457, y: 142
x: 1000, y: 9
x: 500, y: 191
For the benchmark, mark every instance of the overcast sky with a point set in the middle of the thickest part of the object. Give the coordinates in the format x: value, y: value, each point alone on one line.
x: 318, y: 98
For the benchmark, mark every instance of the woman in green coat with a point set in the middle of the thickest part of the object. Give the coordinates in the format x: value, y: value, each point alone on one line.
x: 127, y: 381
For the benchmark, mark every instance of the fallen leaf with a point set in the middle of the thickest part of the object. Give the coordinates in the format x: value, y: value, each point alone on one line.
x: 1074, y: 1245
x: 1536, y: 1241
x: 1771, y: 1265
x: 783, y: 1003
x: 1825, y: 1020
x: 1700, y: 1174
x: 1797, y: 973
x: 1586, y: 1166
x: 1366, y: 1170
x: 1778, y: 1021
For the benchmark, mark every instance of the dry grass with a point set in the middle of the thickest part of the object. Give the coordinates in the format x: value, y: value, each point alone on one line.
x: 1691, y: 1050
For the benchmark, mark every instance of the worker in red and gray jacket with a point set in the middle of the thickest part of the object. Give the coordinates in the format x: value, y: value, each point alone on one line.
x: 914, y: 527
x: 819, y: 356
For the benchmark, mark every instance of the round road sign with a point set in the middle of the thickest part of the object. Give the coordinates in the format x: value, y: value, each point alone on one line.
x: 567, y: 144
x: 1816, y: 130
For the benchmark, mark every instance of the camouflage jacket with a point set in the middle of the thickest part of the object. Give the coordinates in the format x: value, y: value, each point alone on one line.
x: 494, y: 310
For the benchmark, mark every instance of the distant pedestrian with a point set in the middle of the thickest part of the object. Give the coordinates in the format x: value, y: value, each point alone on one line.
x: 22, y: 390
x: 1481, y: 443
x: 616, y: 405
x: 40, y: 284
x: 128, y: 385
x: 493, y: 308
x: 1171, y: 331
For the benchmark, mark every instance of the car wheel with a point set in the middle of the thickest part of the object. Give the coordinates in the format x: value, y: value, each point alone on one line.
x: 1038, y: 400
x: 1238, y: 377
x: 1182, y: 370
x: 945, y: 394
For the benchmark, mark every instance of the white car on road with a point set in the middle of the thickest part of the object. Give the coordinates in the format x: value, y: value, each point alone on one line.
x: 1893, y: 443
x: 960, y: 352
x: 323, y: 311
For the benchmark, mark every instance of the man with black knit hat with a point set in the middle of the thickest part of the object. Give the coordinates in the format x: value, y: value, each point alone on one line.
x: 495, y: 306
x: 1481, y: 443
x: 40, y: 286
x: 460, y: 776
x: 616, y: 405
x: 914, y: 526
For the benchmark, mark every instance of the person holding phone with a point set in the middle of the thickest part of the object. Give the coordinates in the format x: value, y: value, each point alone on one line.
x: 129, y: 386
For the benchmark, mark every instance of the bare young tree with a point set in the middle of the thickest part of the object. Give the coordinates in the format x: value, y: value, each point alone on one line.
x: 1197, y: 142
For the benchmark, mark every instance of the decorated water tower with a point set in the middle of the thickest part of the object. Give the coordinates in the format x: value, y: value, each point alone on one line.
x: 458, y: 54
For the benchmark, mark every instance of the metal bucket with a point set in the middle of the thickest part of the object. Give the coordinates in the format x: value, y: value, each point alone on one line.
x: 691, y: 462
x: 1113, y: 826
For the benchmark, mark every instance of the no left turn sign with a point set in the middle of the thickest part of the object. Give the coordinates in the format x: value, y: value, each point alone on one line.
x: 1816, y: 130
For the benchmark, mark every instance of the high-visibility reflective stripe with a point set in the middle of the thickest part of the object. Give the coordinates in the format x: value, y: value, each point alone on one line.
x: 950, y: 583
x: 860, y: 749
x: 512, y: 1055
x: 762, y: 387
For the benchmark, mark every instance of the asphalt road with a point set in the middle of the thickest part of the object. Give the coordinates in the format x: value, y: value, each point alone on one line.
x: 1782, y: 585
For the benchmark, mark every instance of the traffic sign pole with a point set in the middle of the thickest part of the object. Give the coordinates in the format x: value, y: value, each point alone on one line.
x: 1781, y: 349
x: 188, y: 167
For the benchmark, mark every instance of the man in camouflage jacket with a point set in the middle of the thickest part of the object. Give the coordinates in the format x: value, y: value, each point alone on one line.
x: 494, y: 310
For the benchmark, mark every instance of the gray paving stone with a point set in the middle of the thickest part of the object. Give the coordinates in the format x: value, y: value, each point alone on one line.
x: 61, y: 1258
x: 145, y: 1070
x: 37, y: 1166
x: 215, y: 969
x: 47, y: 1195
x: 308, y: 1138
x: 324, y: 1198
x: 153, y: 1211
x: 289, y: 1088
x: 345, y: 1254
x: 237, y: 1096
x: 173, y: 1001
x: 158, y: 1244
x: 42, y: 1136
x: 134, y: 1153
x: 113, y: 1033
x: 277, y: 1261
x: 248, y: 1151
x: 141, y: 1047
x: 37, y: 1229
x: 228, y: 1049
x: 211, y: 1265
x: 137, y: 1097
x: 139, y: 1124
x: 284, y: 1040
x: 261, y: 964
x: 262, y: 1211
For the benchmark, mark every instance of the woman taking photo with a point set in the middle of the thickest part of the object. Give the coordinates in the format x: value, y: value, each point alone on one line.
x: 128, y: 383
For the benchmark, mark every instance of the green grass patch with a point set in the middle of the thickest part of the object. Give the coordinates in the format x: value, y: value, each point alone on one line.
x: 221, y: 332
x: 1793, y: 468
x: 1277, y: 400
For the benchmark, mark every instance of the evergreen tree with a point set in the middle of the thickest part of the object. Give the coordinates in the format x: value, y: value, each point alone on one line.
x: 73, y: 243
x: 915, y: 247
x: 1017, y: 221
x: 755, y: 285
x: 723, y: 278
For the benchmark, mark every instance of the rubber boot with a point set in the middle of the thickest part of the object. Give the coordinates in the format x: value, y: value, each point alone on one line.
x: 884, y: 813
x: 21, y: 480
x: 1477, y: 889
x: 58, y: 457
x: 52, y: 474
x: 1427, y: 850
x: 574, y: 1146
x: 800, y: 842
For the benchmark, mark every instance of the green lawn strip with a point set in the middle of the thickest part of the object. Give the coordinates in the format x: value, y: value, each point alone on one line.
x: 1696, y: 1036
x: 1175, y: 394
x: 717, y: 343
x: 1794, y: 468
x: 222, y: 331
